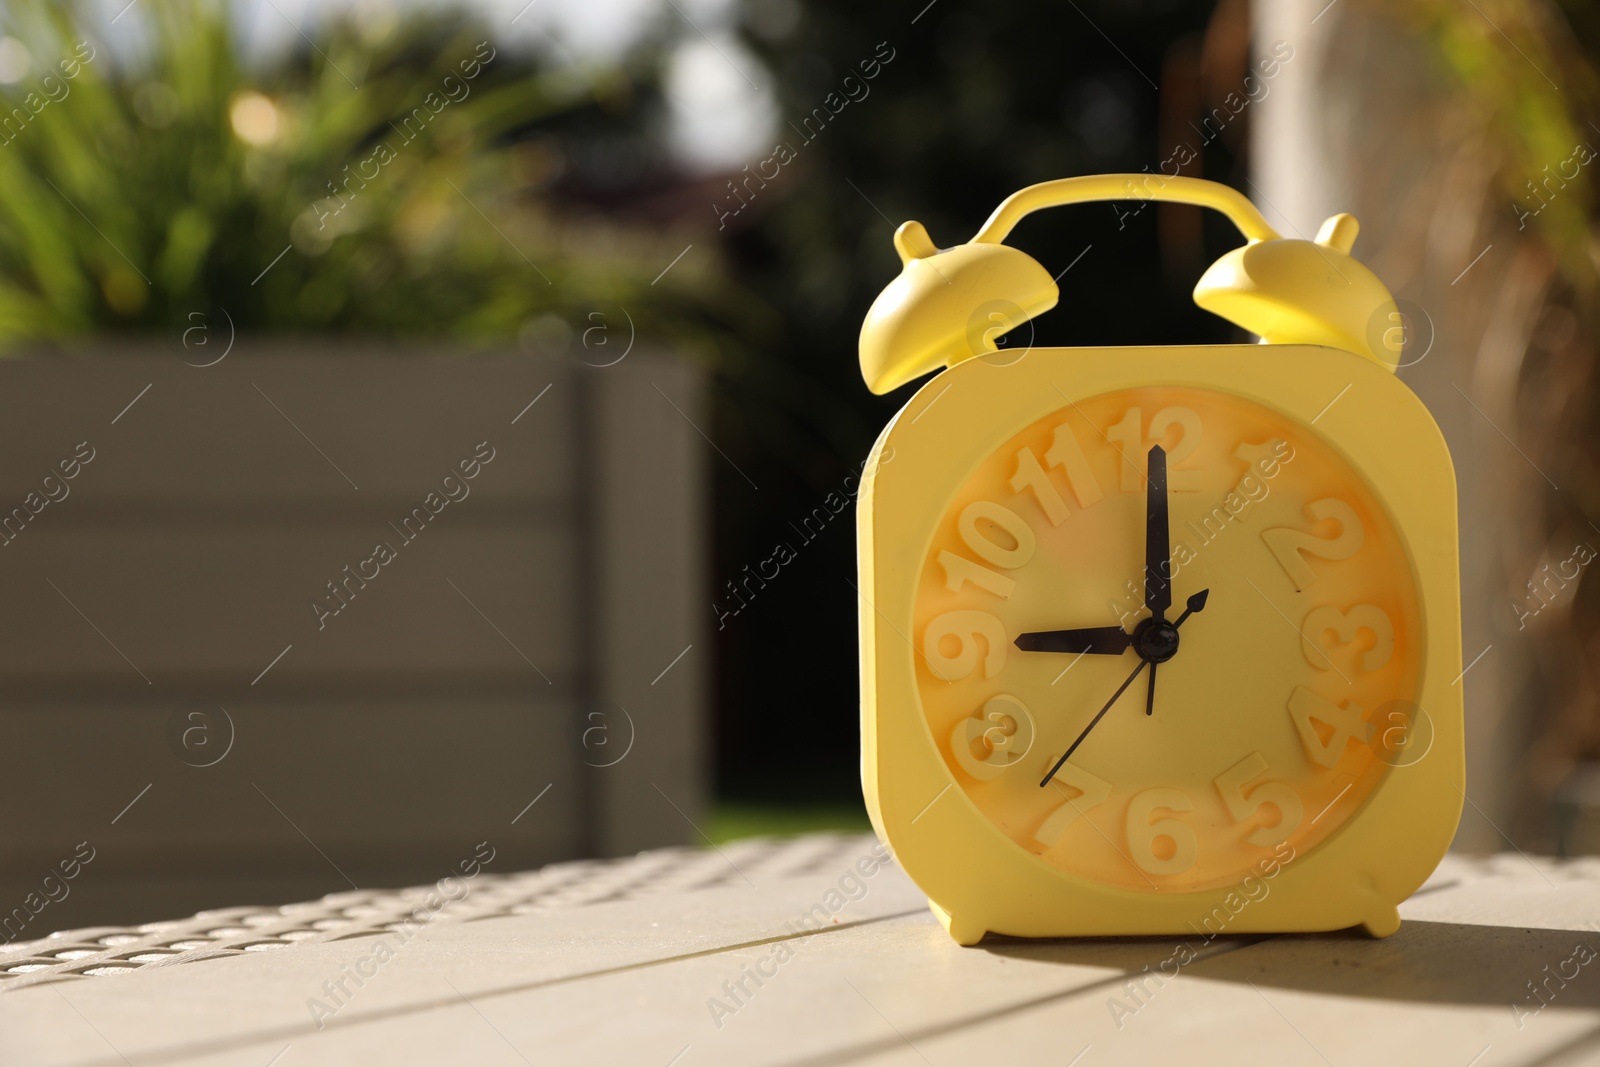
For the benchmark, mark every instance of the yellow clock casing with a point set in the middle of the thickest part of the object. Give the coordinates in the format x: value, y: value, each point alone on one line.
x: 1301, y: 764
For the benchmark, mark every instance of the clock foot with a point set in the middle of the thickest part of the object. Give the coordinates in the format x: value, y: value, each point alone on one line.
x: 1382, y: 923
x: 964, y: 933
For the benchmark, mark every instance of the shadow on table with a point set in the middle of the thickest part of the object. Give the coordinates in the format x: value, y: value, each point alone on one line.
x: 1425, y: 962
x: 1523, y: 968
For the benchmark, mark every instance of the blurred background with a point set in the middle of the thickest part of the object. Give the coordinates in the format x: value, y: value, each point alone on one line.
x: 573, y: 288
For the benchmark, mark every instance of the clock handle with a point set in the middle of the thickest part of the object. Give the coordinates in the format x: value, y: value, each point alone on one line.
x: 1178, y: 190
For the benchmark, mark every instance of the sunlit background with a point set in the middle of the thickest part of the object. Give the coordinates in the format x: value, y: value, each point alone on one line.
x: 286, y: 264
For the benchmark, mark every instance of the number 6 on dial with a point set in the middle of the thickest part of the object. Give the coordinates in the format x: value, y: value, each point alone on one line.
x: 1143, y: 832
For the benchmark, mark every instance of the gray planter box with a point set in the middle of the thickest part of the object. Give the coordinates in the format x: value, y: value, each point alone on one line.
x: 160, y: 641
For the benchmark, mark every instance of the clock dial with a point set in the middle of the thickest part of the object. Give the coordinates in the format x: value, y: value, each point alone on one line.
x: 1281, y: 708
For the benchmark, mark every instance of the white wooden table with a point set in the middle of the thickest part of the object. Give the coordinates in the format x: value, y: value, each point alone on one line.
x: 640, y: 961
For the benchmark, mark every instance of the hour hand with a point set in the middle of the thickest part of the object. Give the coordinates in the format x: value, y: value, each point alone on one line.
x: 1101, y: 640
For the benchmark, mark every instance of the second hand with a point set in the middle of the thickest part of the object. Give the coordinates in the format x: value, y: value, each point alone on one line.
x: 1123, y: 688
x: 1196, y: 603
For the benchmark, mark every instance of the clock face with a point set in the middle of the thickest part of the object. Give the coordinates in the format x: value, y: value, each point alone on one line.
x: 1286, y: 699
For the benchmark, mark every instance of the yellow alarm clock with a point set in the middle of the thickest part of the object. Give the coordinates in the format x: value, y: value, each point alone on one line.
x: 1157, y: 639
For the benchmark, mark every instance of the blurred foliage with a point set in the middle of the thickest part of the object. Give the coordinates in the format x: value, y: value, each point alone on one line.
x: 1530, y: 80
x: 397, y: 162
x: 1519, y: 85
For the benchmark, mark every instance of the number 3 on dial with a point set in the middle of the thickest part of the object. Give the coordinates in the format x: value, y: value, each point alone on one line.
x: 1346, y: 626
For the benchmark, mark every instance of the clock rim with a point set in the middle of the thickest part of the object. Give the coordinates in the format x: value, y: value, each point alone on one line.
x: 1410, y: 571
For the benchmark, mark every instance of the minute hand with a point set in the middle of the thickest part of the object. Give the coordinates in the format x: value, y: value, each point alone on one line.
x: 1196, y: 603
x: 1157, y: 538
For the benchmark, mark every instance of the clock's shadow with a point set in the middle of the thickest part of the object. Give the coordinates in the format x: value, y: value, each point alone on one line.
x: 1518, y: 968
x: 1425, y: 962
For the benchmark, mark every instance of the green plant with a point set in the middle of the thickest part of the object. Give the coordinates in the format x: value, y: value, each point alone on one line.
x: 385, y: 180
